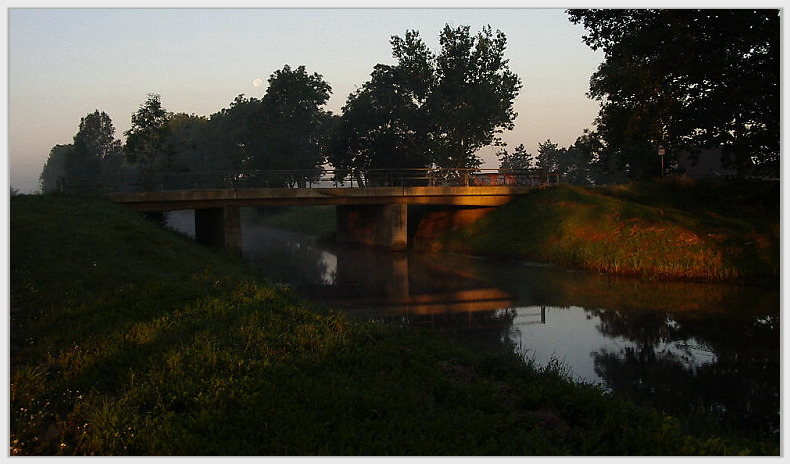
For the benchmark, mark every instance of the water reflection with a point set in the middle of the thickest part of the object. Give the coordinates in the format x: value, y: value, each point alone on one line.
x: 678, y: 346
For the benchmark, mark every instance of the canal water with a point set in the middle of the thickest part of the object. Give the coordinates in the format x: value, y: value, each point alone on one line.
x: 676, y: 345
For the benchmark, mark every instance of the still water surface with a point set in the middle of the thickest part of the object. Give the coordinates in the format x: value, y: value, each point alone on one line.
x: 675, y: 345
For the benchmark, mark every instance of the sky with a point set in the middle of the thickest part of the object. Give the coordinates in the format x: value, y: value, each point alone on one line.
x: 66, y: 63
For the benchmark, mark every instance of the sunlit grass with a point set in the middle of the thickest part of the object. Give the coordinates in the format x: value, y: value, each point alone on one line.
x: 670, y: 229
x: 127, y: 339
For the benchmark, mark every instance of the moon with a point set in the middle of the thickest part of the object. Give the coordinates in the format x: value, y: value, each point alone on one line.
x: 257, y: 82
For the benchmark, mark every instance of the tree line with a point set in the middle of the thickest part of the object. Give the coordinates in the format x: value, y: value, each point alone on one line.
x: 684, y: 80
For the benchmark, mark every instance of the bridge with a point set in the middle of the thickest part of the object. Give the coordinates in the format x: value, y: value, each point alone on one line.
x: 374, y: 212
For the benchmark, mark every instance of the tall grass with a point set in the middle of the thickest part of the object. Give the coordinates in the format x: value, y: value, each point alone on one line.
x: 127, y: 339
x: 714, y: 230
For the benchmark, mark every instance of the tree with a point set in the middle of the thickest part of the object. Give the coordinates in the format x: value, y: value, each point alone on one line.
x: 146, y: 141
x: 284, y: 130
x: 573, y: 164
x: 473, y: 98
x: 55, y: 167
x: 519, y: 159
x: 95, y: 141
x: 293, y: 119
x: 235, y: 134
x: 548, y: 156
x: 93, y: 150
x: 430, y: 109
x: 687, y: 80
x: 381, y: 126
x: 187, y: 139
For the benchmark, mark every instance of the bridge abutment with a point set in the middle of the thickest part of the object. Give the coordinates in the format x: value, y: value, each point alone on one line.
x: 219, y: 227
x: 382, y: 226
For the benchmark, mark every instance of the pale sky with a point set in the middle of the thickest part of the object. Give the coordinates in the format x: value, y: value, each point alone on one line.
x: 66, y: 63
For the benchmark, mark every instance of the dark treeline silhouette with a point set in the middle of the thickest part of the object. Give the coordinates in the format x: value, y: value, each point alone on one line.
x: 427, y: 110
x: 682, y: 80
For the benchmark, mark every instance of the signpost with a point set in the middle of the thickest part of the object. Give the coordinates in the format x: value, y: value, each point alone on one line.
x: 661, y: 153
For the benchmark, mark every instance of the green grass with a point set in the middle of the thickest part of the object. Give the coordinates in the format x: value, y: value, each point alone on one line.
x: 127, y: 339
x: 711, y: 230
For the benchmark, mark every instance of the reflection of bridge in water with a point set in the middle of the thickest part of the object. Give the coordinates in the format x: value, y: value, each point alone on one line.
x: 373, y: 213
x: 387, y: 285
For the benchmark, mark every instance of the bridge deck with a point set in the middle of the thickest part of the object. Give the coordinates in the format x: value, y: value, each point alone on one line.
x: 214, y: 198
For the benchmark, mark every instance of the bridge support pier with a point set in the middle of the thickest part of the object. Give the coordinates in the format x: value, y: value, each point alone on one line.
x: 382, y: 226
x: 219, y: 227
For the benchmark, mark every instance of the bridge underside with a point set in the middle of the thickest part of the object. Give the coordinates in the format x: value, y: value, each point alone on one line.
x: 375, y: 216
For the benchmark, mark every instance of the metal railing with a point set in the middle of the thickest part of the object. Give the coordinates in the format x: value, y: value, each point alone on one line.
x: 316, y: 178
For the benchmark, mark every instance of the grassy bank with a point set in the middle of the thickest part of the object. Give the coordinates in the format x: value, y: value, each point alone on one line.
x: 673, y: 228
x: 129, y: 339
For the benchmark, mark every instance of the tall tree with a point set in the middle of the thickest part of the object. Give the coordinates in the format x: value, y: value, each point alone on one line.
x: 94, y: 142
x: 188, y: 142
x: 381, y: 126
x: 55, y: 167
x: 687, y: 80
x: 474, y: 94
x: 519, y: 159
x: 428, y: 108
x: 293, y: 118
x: 284, y: 130
x: 146, y: 141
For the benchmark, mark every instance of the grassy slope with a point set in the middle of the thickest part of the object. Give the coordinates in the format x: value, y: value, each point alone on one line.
x: 672, y: 228
x: 128, y: 339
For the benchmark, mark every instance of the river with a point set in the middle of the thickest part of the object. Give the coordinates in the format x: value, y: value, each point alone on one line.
x: 678, y: 346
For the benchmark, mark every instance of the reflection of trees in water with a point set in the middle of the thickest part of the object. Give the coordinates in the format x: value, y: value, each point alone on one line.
x: 481, y: 330
x: 664, y: 362
x: 284, y: 259
x: 739, y: 383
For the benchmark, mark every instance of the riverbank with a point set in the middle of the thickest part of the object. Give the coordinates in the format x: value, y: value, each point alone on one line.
x: 130, y: 339
x: 672, y: 228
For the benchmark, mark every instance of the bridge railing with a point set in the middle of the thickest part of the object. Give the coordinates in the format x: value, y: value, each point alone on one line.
x: 323, y: 178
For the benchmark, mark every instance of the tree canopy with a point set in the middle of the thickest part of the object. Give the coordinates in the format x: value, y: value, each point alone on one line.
x: 94, y: 151
x: 283, y: 130
x: 146, y: 141
x: 687, y: 80
x: 430, y: 108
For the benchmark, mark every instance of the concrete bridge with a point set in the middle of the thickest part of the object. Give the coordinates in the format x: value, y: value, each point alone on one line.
x: 369, y: 215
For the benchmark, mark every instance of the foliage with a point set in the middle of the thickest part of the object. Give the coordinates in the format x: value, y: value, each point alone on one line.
x: 519, y: 159
x: 188, y: 140
x: 55, y: 167
x: 671, y: 229
x: 127, y: 339
x: 146, y: 139
x: 94, y: 152
x: 430, y: 108
x: 285, y: 129
x: 94, y: 143
x: 687, y: 79
x: 382, y: 125
x: 294, y: 120
x: 474, y: 94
